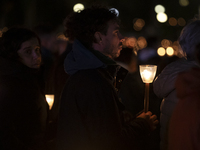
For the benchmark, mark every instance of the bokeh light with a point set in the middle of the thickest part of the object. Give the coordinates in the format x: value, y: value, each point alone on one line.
x: 175, y: 46
x: 161, y: 51
x: 181, y: 22
x: 116, y: 11
x: 161, y: 17
x: 142, y: 43
x: 172, y: 21
x: 183, y: 2
x: 138, y: 24
x: 130, y: 42
x: 166, y: 43
x: 78, y: 7
x: 159, y: 9
x: 170, y: 51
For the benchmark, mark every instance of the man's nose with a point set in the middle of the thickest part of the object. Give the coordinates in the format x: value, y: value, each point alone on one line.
x: 121, y: 37
x: 35, y: 55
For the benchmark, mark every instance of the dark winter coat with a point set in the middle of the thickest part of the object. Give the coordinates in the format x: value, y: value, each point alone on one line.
x: 23, y: 108
x: 184, y: 133
x: 164, y: 87
x: 91, y: 115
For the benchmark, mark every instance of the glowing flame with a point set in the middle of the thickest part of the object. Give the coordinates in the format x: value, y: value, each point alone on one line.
x: 148, y: 73
x: 50, y: 100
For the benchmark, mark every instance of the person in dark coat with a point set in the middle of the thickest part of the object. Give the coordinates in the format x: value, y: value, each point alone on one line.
x: 23, y: 107
x: 91, y: 116
x: 164, y: 84
x: 185, y: 123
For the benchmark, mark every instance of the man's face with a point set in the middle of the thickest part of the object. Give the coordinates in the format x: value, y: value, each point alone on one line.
x: 112, y: 41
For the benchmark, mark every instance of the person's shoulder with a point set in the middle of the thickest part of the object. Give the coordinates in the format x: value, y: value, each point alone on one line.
x: 90, y: 74
x: 90, y: 77
x: 18, y: 80
x: 10, y: 86
x: 8, y: 79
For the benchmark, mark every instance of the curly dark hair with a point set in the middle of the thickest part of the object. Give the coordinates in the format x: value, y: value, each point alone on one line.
x: 11, y: 41
x: 190, y: 37
x: 82, y: 25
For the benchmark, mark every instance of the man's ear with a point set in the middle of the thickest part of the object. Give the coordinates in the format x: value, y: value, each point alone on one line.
x: 98, y: 37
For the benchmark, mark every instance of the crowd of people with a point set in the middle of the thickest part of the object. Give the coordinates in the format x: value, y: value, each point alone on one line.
x: 98, y: 92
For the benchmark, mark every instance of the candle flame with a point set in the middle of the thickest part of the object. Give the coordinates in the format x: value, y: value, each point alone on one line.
x: 147, y: 74
x: 50, y: 100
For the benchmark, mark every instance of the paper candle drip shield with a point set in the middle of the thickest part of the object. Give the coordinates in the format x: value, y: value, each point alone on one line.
x: 148, y: 73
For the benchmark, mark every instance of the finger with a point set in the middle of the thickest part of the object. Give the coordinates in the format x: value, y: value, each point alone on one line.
x: 149, y: 113
x: 153, y: 117
x: 155, y: 122
x: 142, y: 115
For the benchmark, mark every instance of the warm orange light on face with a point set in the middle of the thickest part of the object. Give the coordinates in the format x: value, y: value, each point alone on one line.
x: 62, y: 37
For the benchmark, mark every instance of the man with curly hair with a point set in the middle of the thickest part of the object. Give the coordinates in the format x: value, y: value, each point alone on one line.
x: 91, y: 115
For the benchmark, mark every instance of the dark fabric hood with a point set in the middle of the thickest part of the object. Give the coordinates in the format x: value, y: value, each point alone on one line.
x: 18, y: 70
x: 10, y: 67
x: 80, y: 58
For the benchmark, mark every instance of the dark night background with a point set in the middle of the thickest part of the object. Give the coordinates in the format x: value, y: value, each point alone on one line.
x: 31, y: 12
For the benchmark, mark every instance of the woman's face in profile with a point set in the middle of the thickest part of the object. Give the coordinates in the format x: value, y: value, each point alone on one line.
x: 30, y: 54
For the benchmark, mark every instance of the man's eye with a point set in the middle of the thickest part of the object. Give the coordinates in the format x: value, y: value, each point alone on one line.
x: 117, y: 32
x: 28, y: 51
x: 37, y: 49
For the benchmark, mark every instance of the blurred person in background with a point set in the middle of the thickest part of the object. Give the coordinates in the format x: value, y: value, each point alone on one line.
x: 58, y: 78
x: 23, y: 107
x: 184, y: 125
x: 164, y: 84
x: 91, y: 115
x: 49, y: 51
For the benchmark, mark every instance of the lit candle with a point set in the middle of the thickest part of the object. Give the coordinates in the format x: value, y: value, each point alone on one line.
x: 147, y: 73
x: 50, y: 100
